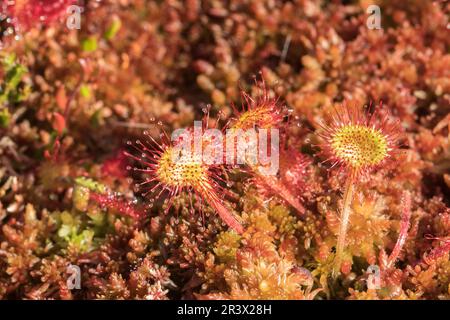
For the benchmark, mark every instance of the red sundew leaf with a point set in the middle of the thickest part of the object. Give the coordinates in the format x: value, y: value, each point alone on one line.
x: 61, y: 98
x: 293, y: 166
x: 59, y: 123
x: 47, y: 155
x: 404, y: 226
x: 291, y: 182
x: 272, y: 185
x: 226, y: 215
x: 162, y: 175
x: 346, y: 139
x: 55, y: 150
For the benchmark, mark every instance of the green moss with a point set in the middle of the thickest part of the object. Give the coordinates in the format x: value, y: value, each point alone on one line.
x: 283, y: 219
x: 90, y: 184
x: 89, y: 44
x: 226, y: 246
x: 5, y: 118
x: 112, y: 30
x: 10, y: 90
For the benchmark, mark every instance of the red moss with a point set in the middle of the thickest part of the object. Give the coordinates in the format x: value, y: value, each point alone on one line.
x: 437, y: 252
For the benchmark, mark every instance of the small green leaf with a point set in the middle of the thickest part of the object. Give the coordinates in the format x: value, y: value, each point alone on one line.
x: 96, y: 118
x: 89, y: 44
x: 5, y: 118
x: 90, y: 184
x: 113, y: 29
x: 85, y: 91
x: 10, y: 91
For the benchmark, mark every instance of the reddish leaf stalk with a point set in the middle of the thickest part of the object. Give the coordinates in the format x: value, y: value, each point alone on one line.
x: 404, y: 226
x: 224, y: 213
x: 124, y: 207
x: 277, y: 187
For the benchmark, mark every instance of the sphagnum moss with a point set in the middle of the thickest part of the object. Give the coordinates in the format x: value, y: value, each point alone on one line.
x: 166, y: 60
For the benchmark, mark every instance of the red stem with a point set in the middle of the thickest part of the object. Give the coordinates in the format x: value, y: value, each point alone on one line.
x: 344, y: 221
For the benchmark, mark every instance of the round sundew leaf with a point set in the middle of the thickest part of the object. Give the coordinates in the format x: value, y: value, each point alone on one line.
x: 359, y: 146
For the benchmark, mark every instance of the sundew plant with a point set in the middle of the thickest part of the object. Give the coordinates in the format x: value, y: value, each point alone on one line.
x: 231, y: 150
